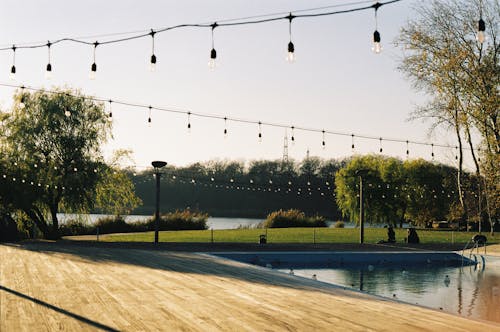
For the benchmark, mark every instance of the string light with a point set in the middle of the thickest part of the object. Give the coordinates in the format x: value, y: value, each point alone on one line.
x: 93, y: 67
x: 239, y: 120
x: 67, y: 112
x: 407, y: 150
x: 48, y: 69
x: 22, y: 103
x: 232, y: 22
x: 225, y: 127
x: 110, y: 114
x: 352, y: 143
x: 481, y: 26
x: 432, y: 151
x: 189, y: 122
x: 323, y: 144
x: 149, y: 115
x: 213, y: 52
x: 260, y: 132
x: 380, y: 150
x: 13, y: 68
x: 291, y: 48
x: 377, y: 48
x: 293, y: 136
x: 152, y: 65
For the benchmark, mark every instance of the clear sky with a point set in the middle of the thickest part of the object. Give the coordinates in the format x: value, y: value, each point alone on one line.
x: 337, y: 82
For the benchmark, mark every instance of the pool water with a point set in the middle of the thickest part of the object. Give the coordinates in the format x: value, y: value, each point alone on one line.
x: 470, y: 291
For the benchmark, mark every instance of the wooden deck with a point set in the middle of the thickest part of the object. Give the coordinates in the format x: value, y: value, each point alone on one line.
x: 56, y: 287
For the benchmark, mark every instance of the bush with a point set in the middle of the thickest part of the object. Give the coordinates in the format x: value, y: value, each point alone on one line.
x: 76, y: 227
x: 180, y: 220
x: 8, y: 228
x: 339, y: 224
x: 292, y: 218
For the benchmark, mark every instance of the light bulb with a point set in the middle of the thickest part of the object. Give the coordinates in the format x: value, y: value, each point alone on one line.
x: 291, y: 53
x: 48, y: 72
x: 13, y: 73
x: 480, y: 36
x: 480, y: 31
x: 377, y: 48
x: 213, y: 56
x: 152, y: 65
x: 93, y: 70
x: 67, y: 113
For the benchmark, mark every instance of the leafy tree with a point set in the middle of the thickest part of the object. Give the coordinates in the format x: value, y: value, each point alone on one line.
x: 381, y: 191
x: 443, y: 59
x: 115, y: 191
x: 53, y: 142
x: 426, y: 193
x: 395, y: 191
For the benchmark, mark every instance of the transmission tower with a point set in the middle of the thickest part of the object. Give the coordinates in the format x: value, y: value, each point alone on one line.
x: 284, y: 161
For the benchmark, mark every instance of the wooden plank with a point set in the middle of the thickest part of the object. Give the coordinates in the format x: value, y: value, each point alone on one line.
x: 59, y: 288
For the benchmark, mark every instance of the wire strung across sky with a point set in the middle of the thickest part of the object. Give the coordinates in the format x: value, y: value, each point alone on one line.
x: 220, y: 23
x: 258, y: 123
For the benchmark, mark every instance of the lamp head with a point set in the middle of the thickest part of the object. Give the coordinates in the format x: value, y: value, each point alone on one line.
x: 158, y: 164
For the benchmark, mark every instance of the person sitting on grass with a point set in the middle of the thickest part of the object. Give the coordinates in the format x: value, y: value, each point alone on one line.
x: 412, y: 236
x: 391, y: 236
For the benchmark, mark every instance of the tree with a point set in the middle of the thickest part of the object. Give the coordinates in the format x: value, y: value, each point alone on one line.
x: 53, y: 142
x: 443, y: 59
x: 428, y: 197
x: 115, y: 192
x: 382, y: 185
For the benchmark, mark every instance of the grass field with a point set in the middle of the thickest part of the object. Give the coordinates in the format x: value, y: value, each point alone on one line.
x: 295, y: 235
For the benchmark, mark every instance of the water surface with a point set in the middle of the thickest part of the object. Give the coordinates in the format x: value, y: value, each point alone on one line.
x: 466, y: 291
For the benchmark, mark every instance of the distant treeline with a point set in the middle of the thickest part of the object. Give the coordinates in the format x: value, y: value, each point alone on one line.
x: 233, y: 189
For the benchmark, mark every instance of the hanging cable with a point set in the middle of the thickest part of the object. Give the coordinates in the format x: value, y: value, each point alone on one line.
x: 152, y: 64
x: 376, y: 35
x: 110, y: 114
x: 233, y: 119
x: 213, y: 52
x: 48, y: 69
x: 13, y: 68
x: 291, y: 48
x: 93, y: 67
x: 260, y: 131
x: 481, y: 26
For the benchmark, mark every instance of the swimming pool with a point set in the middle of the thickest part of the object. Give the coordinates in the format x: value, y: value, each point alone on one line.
x: 435, y: 280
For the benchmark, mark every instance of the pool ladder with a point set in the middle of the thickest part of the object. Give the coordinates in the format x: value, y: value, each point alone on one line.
x: 472, y: 256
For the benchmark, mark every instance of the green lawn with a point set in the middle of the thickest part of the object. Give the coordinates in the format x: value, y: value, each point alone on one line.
x: 295, y: 235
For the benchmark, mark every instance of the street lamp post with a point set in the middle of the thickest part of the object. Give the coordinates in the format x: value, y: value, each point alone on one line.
x: 157, y: 165
x: 360, y: 173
